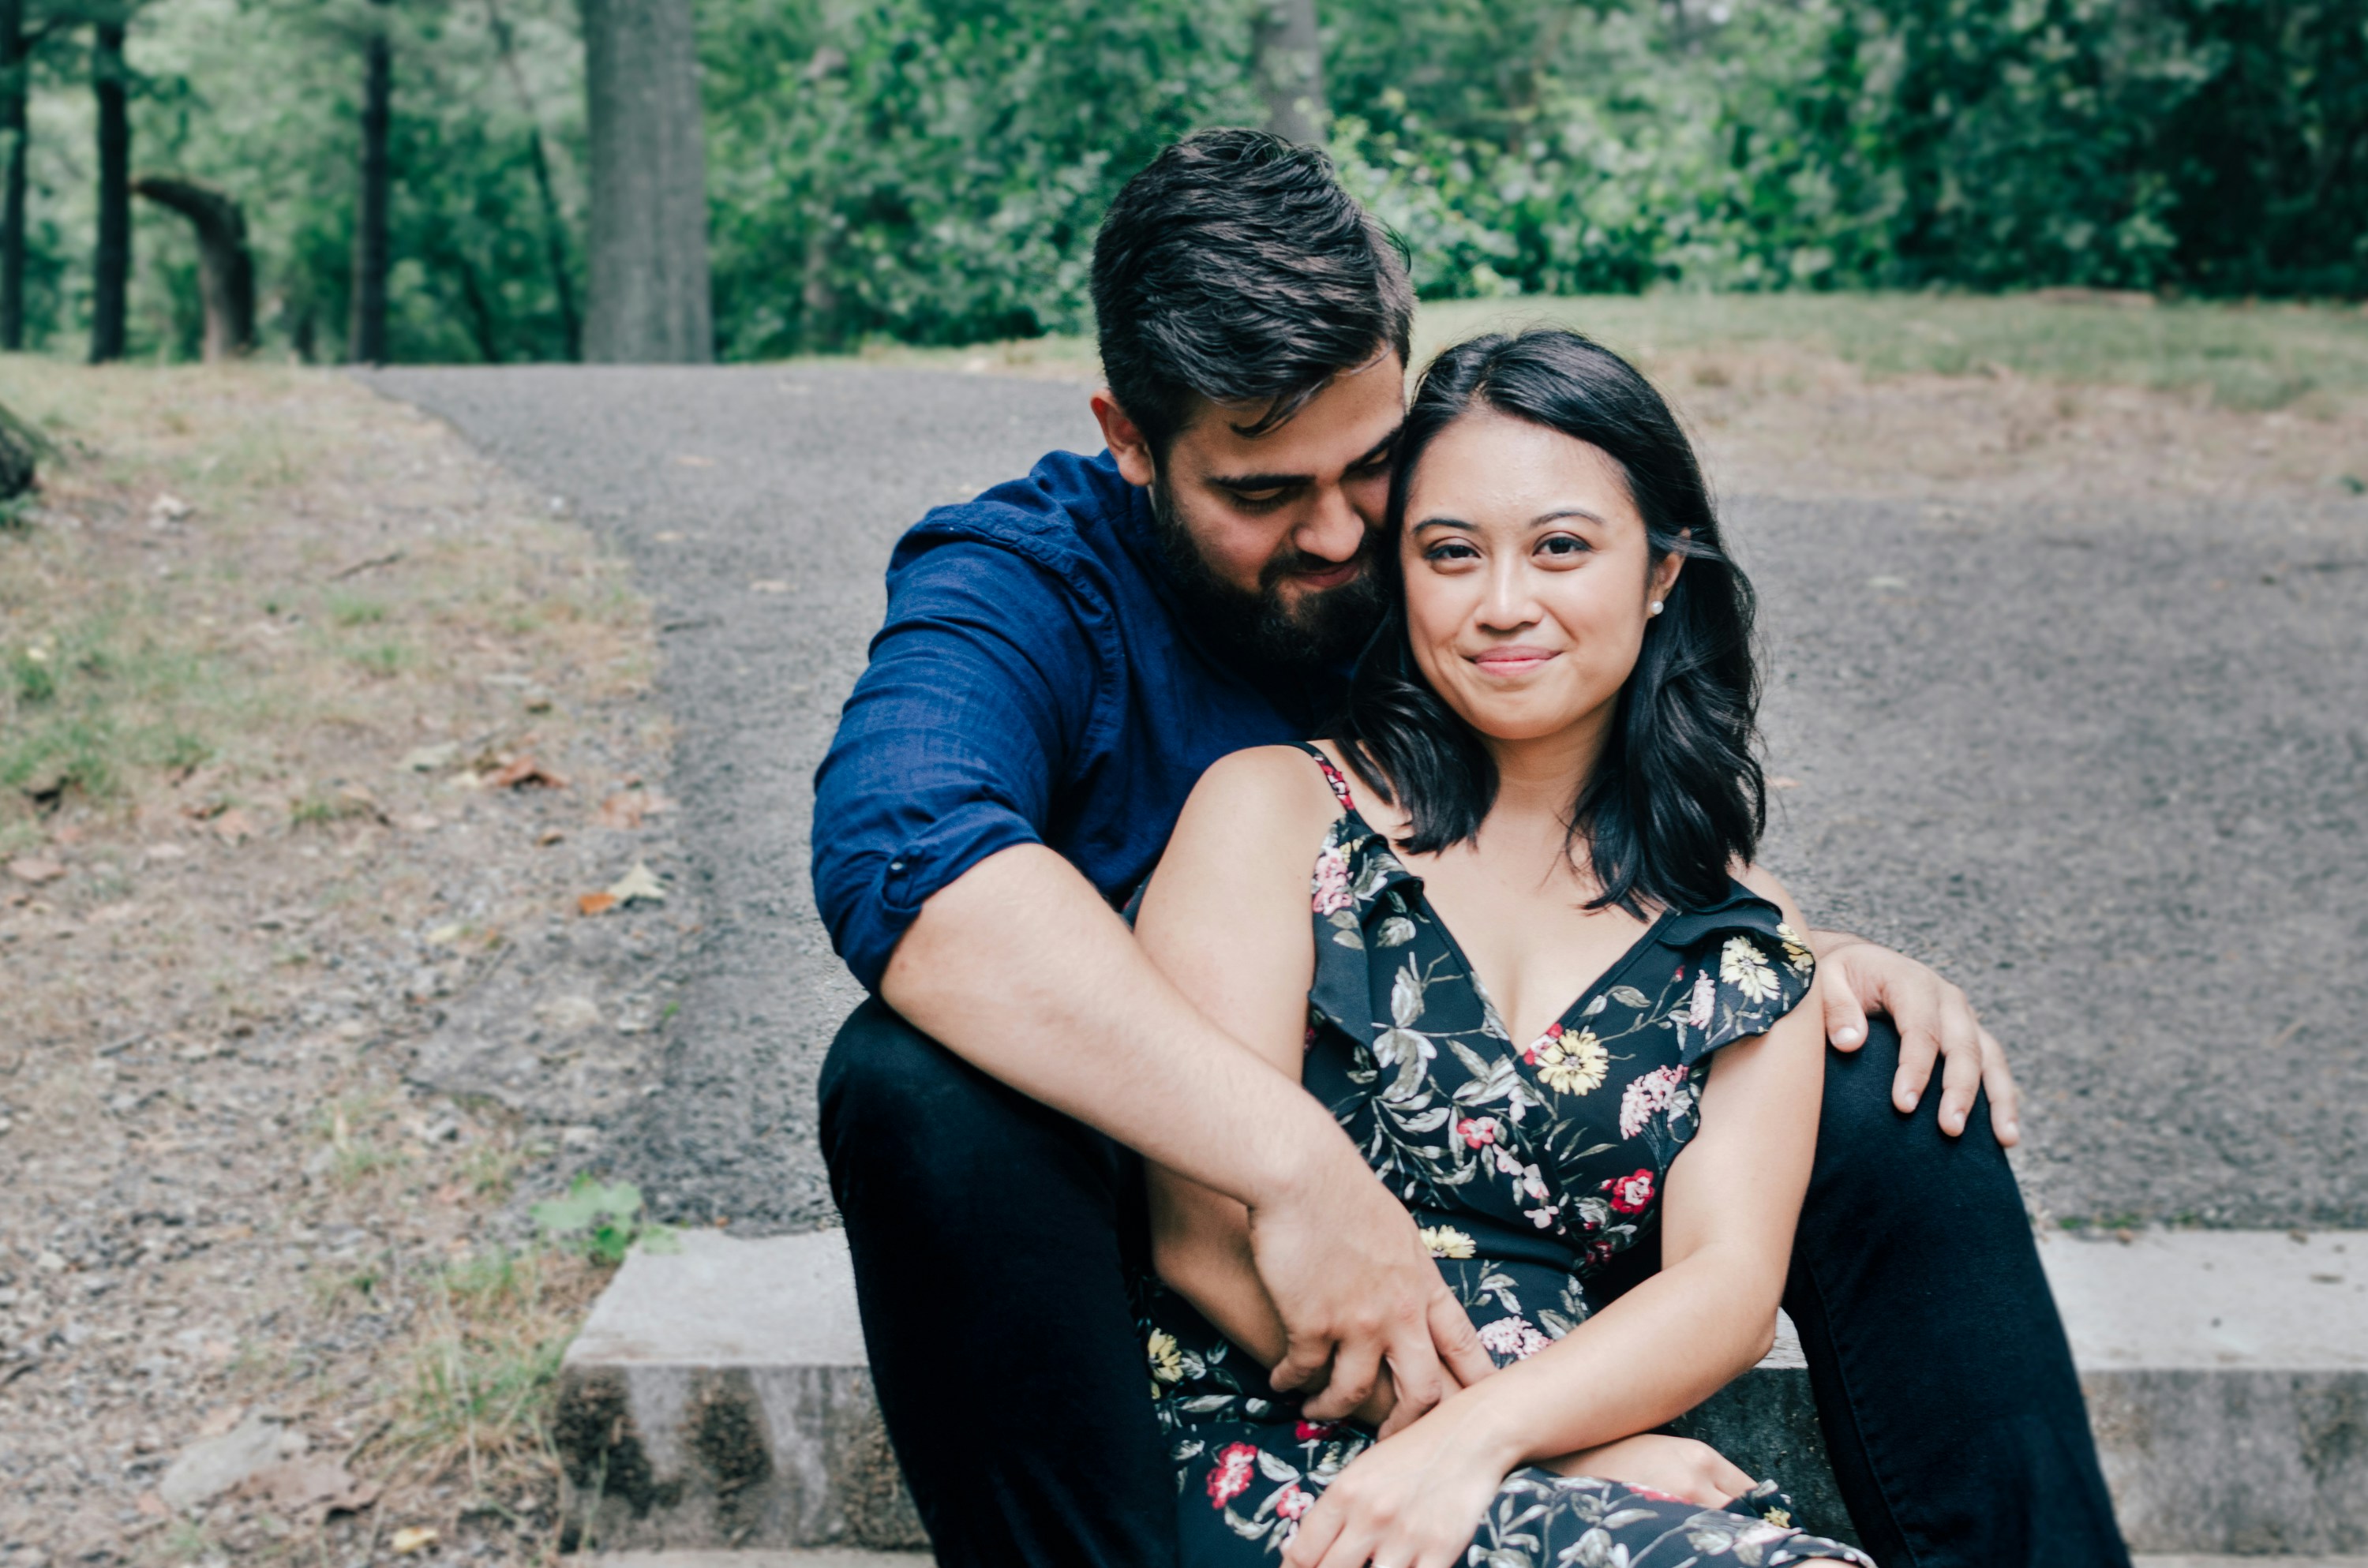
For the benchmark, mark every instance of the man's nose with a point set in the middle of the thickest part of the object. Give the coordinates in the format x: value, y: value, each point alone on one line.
x: 1332, y: 530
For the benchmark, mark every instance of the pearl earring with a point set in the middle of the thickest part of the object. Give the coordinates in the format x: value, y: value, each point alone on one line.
x: 1653, y: 608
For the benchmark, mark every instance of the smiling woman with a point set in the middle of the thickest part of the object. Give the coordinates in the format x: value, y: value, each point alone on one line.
x: 1576, y: 501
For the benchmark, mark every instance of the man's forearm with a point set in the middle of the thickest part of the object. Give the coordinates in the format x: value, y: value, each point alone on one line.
x: 1020, y: 969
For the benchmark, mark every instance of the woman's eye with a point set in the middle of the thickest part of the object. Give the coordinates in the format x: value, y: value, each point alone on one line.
x: 1564, y: 547
x: 1453, y: 551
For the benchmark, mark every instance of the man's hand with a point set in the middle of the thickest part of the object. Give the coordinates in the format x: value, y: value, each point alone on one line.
x: 1359, y: 1299
x: 1935, y: 1022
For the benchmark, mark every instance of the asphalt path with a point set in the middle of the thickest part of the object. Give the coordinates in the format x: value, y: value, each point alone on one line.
x: 2107, y: 766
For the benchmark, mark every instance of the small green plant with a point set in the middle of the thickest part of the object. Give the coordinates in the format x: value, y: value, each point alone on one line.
x: 602, y: 1222
x: 382, y: 658
x: 348, y: 610
x: 29, y: 672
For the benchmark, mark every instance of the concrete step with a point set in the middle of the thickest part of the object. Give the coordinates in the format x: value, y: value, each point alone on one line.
x: 718, y: 1397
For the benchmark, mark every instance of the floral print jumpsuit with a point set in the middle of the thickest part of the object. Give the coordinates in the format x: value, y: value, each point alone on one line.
x: 1527, y: 1167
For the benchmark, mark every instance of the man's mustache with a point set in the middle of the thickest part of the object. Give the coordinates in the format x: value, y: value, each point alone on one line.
x: 1294, y: 562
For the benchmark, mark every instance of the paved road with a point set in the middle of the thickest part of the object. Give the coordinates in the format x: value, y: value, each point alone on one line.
x: 2108, y: 765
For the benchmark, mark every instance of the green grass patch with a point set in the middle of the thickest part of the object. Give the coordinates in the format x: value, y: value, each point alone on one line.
x: 88, y: 704
x: 2243, y: 357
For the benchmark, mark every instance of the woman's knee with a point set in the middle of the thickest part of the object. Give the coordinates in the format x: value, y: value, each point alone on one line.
x: 1873, y: 1153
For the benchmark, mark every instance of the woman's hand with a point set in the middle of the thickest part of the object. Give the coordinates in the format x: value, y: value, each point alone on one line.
x: 1677, y: 1466
x: 1413, y: 1500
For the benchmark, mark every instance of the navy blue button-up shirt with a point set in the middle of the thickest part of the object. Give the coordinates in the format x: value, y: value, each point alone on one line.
x: 1033, y: 684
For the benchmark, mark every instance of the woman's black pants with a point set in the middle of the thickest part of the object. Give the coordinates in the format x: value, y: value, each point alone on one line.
x: 993, y: 1239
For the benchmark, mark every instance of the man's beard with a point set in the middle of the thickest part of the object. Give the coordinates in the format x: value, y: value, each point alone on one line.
x: 1259, y: 628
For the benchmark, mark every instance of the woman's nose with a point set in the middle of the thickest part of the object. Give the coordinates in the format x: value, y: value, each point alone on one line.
x: 1508, y: 603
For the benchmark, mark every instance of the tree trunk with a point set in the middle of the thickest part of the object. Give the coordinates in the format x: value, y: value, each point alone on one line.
x: 110, y: 267
x: 366, y: 332
x: 1289, y: 64
x: 554, y: 227
x: 15, y: 87
x: 225, y: 267
x: 648, y: 301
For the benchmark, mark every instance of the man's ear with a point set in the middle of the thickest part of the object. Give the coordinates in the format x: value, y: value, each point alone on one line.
x: 1125, y: 439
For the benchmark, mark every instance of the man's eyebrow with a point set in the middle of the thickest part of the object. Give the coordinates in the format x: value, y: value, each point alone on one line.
x: 1260, y: 481
x: 1379, y: 450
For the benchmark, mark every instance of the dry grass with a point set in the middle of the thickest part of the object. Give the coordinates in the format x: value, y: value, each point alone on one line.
x: 246, y: 600
x: 2048, y: 397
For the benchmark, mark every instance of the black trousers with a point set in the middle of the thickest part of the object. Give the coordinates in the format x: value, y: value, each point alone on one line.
x: 992, y: 1237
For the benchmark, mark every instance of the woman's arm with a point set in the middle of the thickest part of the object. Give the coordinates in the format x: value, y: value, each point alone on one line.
x: 1728, y: 1209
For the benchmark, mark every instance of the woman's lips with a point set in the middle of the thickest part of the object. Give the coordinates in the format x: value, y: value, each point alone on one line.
x: 1517, y: 659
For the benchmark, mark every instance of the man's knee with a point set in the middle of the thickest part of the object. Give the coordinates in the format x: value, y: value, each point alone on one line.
x: 1871, y: 1151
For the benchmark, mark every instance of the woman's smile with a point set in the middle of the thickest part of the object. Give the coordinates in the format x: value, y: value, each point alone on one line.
x: 1513, y: 659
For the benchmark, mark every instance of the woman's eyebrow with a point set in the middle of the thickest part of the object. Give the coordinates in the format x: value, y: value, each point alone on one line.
x: 1560, y: 513
x: 1444, y: 523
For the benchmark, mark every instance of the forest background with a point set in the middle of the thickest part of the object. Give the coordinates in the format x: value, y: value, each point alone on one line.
x: 931, y: 171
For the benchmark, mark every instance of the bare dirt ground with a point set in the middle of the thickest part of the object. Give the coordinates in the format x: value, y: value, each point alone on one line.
x: 315, y: 729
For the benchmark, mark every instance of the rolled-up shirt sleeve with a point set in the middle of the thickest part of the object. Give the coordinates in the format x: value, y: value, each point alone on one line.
x: 981, y: 682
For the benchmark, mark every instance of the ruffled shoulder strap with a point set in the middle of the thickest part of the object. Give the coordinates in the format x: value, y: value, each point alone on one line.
x: 1749, y: 969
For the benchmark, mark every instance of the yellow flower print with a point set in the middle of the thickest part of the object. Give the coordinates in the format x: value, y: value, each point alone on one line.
x: 1797, y: 952
x: 1741, y: 966
x: 1446, y: 1241
x: 1781, y: 1518
x: 1166, y: 1359
x: 1570, y: 1063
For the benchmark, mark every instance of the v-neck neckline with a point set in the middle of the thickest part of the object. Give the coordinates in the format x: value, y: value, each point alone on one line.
x: 1430, y: 911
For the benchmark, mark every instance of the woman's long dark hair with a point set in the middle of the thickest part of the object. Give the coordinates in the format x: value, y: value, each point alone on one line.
x: 1677, y: 798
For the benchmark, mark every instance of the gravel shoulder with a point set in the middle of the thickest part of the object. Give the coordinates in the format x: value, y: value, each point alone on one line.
x: 2098, y: 756
x: 316, y: 727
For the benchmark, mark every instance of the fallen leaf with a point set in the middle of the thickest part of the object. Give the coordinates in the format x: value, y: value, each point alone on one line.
x: 639, y: 882
x: 166, y: 852
x: 169, y: 508
x: 525, y: 770
x: 66, y: 833
x: 234, y: 826
x: 444, y: 935
x: 690, y: 460
x: 152, y: 1506
x: 767, y: 586
x: 360, y: 795
x: 419, y: 823
x: 32, y: 868
x: 430, y: 759
x: 1781, y: 782
x: 626, y: 811
x: 317, y: 1487
x: 596, y: 903
x: 549, y: 837
x: 411, y: 1538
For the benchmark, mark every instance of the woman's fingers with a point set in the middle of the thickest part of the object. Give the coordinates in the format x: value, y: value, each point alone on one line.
x: 1961, y: 1070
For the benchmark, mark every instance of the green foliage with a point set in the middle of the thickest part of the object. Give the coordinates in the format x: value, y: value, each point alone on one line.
x: 932, y: 171
x: 601, y: 1222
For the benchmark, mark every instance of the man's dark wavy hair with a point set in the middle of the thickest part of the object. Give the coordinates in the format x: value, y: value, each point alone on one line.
x: 1233, y: 268
x: 1678, y: 797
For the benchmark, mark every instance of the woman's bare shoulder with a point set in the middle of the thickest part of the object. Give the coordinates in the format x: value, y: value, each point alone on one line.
x: 1763, y: 881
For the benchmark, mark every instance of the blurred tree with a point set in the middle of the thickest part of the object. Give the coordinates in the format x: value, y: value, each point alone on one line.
x: 110, y: 266
x: 554, y: 224
x: 225, y: 269
x: 1289, y: 59
x: 649, y: 301
x: 15, y: 132
x: 366, y: 334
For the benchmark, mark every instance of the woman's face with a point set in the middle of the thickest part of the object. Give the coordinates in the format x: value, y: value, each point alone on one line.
x: 1527, y: 576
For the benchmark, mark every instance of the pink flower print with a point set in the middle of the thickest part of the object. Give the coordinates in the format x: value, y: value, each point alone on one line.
x: 1513, y: 1336
x: 1630, y: 1194
x: 1292, y: 1500
x: 1330, y: 883
x: 1232, y: 1476
x: 1478, y: 1132
x: 1646, y: 1097
x: 1530, y: 1052
x: 1699, y: 1011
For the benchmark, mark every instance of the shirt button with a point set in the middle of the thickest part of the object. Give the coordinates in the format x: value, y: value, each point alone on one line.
x: 896, y: 865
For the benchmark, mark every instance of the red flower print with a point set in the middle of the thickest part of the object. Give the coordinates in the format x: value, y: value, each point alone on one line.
x: 1630, y: 1194
x: 1232, y: 1476
x: 1292, y: 1502
x: 1312, y: 1431
x: 1478, y: 1131
x: 1530, y: 1052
